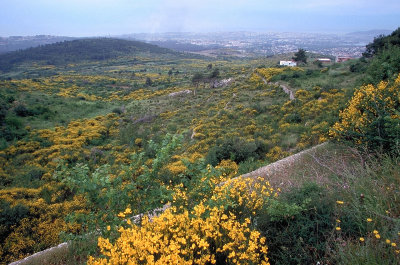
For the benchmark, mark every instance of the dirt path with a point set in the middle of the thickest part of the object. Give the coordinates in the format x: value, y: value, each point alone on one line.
x: 276, y: 172
x: 285, y: 88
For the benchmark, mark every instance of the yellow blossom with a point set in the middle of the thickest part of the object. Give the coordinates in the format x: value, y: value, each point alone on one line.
x: 121, y: 215
x: 175, y: 237
x: 128, y: 211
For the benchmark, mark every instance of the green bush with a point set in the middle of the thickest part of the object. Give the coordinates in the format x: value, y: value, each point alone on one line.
x: 384, y: 66
x: 9, y: 216
x: 249, y: 165
x: 22, y: 111
x: 293, y: 118
x: 297, y: 225
x: 107, y: 196
x: 235, y: 149
x: 358, y: 67
x: 30, y: 178
x: 117, y: 111
x: 12, y: 129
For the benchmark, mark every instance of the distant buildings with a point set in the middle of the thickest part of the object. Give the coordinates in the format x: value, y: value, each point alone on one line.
x: 288, y: 63
x: 340, y: 59
x: 324, y: 60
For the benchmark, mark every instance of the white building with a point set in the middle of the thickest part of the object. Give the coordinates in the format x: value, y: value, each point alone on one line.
x: 324, y: 60
x: 288, y: 63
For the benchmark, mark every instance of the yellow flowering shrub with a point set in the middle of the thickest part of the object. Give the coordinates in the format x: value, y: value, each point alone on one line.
x: 268, y: 73
x: 41, y: 225
x: 243, y: 196
x: 276, y: 153
x: 218, y: 229
x: 228, y: 167
x: 372, y: 116
x: 203, y: 236
x: 68, y: 142
x: 176, y: 167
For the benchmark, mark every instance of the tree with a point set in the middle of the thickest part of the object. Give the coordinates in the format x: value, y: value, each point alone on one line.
x: 214, y: 74
x: 300, y: 56
x: 148, y: 81
x: 373, y: 47
x: 383, y: 56
x: 197, y: 78
x: 385, y: 65
x: 381, y: 43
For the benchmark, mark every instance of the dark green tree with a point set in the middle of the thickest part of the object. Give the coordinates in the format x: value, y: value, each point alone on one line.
x: 381, y: 43
x: 197, y: 78
x: 214, y: 74
x: 148, y: 81
x: 383, y: 58
x: 300, y: 56
x: 373, y: 47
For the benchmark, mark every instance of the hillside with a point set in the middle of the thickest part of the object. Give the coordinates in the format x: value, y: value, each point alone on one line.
x: 85, y: 146
x: 319, y: 192
x: 75, y: 51
x: 14, y: 43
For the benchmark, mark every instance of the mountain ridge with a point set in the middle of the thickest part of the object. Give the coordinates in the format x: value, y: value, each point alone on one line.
x: 90, y: 49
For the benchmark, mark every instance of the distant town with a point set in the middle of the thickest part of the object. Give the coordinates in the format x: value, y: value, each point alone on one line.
x: 241, y: 44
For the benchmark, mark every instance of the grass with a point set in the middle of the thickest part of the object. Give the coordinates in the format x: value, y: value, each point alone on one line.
x: 369, y: 252
x: 366, y: 186
x: 64, y: 254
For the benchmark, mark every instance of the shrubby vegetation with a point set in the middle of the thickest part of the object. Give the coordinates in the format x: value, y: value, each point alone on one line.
x: 383, y: 58
x: 299, y: 225
x: 372, y: 118
x: 88, y: 144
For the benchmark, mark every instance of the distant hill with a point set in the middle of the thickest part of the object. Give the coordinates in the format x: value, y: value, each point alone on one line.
x: 14, y: 43
x: 366, y: 37
x: 95, y: 49
x: 184, y: 47
x: 370, y: 33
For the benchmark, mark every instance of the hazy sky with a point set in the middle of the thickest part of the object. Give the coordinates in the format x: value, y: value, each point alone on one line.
x: 113, y: 17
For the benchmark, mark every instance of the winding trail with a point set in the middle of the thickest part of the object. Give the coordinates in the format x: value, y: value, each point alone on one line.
x: 285, y: 88
x: 276, y: 171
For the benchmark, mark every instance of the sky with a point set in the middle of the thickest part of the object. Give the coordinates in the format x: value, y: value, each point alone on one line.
x: 80, y: 18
